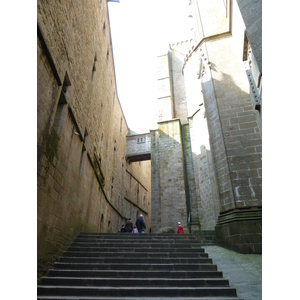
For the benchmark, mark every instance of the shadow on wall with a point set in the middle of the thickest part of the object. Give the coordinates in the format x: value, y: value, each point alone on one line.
x: 235, y: 138
x: 207, y: 189
x: 233, y: 144
x: 187, y: 185
x: 180, y: 107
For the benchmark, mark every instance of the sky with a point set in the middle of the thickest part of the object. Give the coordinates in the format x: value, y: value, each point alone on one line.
x: 141, y: 30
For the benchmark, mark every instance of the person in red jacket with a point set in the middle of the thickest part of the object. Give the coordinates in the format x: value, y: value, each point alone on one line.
x: 179, y: 228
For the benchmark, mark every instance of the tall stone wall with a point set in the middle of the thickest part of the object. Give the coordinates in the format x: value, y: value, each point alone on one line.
x: 202, y: 198
x: 168, y: 177
x: 221, y: 139
x: 83, y: 180
x: 235, y: 140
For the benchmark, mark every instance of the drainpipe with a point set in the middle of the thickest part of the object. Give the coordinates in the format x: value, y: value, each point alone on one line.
x: 211, y: 37
x: 186, y: 181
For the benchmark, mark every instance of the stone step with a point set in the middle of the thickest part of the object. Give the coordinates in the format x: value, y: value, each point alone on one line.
x: 135, y: 260
x: 135, y: 250
x: 143, y: 244
x: 203, y: 238
x: 134, y: 274
x: 134, y: 282
x: 132, y: 298
x: 144, y: 254
x: 135, y: 238
x: 137, y: 291
x: 144, y: 236
x: 137, y: 266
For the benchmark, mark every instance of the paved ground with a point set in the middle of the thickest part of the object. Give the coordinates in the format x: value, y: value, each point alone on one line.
x: 244, y: 271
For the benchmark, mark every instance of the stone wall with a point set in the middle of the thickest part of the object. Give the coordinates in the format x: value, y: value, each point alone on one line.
x: 251, y: 12
x: 168, y: 177
x: 205, y: 177
x: 165, y: 110
x: 188, y: 102
x: 178, y: 85
x: 235, y: 140
x: 84, y: 182
x: 221, y: 136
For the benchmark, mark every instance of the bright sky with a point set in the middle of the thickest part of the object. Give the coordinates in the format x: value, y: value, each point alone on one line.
x: 141, y: 30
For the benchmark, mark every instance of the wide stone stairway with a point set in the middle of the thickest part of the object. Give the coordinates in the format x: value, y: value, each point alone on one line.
x: 135, y: 266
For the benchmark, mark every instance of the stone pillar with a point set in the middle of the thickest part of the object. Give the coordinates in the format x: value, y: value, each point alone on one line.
x: 235, y: 138
x: 167, y: 177
x: 236, y: 147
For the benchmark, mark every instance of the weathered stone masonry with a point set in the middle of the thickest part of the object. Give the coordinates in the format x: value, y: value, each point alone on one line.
x: 84, y: 182
x: 215, y: 91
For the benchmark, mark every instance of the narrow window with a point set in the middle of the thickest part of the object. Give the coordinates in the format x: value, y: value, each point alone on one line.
x: 94, y: 68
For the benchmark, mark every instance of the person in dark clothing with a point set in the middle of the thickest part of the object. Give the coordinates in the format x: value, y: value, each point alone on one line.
x: 123, y: 228
x: 140, y: 224
x: 129, y: 226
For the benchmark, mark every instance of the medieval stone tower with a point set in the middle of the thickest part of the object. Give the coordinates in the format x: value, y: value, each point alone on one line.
x: 206, y: 154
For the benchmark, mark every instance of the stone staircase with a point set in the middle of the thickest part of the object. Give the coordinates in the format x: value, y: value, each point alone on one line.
x: 135, y: 266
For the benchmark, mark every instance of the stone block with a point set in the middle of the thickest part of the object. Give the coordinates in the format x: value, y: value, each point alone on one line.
x: 248, y: 125
x: 243, y: 237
